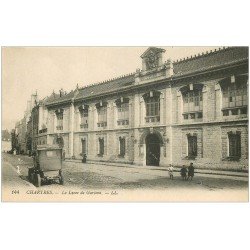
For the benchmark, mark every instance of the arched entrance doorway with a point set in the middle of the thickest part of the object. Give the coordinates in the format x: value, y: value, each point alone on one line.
x: 153, y: 150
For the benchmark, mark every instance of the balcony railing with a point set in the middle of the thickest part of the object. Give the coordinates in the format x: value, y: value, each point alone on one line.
x: 84, y: 125
x: 150, y: 119
x: 236, y: 111
x: 59, y: 127
x: 102, y: 124
x: 123, y: 122
x: 195, y: 116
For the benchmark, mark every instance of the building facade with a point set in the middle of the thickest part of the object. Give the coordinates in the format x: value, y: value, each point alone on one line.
x: 22, y: 136
x: 193, y: 109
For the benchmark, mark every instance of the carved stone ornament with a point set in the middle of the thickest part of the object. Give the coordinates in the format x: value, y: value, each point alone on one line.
x: 152, y: 60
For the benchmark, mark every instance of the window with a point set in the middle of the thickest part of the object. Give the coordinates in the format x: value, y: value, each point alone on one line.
x: 192, y: 146
x: 234, y: 94
x: 102, y: 117
x: 234, y: 145
x: 59, y: 115
x: 122, y: 146
x: 84, y: 113
x: 153, y: 108
x: 192, y: 101
x: 84, y: 147
x: 101, y: 147
x: 123, y: 114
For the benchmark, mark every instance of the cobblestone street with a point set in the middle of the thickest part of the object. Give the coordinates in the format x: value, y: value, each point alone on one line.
x: 97, y: 176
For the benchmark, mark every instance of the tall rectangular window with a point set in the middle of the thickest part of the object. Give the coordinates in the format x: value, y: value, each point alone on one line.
x: 192, y: 146
x: 234, y: 95
x: 84, y: 147
x: 59, y: 116
x: 84, y: 118
x: 122, y: 146
x: 102, y: 116
x: 152, y: 110
x: 101, y: 146
x: 123, y: 114
x: 234, y: 145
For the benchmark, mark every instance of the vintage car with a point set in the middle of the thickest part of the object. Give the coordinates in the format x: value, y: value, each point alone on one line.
x: 47, y: 165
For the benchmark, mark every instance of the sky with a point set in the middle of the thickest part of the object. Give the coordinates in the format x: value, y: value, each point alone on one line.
x: 26, y: 70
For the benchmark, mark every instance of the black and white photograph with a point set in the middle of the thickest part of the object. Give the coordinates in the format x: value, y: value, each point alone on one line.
x: 125, y: 123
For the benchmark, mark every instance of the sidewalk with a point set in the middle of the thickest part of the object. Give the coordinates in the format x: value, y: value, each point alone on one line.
x: 177, y: 169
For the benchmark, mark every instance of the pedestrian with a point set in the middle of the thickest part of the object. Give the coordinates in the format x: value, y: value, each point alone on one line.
x: 191, y: 171
x: 184, y: 173
x: 171, y: 172
x: 84, y: 158
x: 63, y: 155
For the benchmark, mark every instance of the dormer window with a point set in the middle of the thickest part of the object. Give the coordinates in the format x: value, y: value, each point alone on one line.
x: 122, y: 111
x: 152, y: 103
x: 84, y: 113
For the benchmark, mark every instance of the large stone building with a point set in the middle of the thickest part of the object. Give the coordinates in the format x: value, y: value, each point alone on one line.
x: 193, y: 109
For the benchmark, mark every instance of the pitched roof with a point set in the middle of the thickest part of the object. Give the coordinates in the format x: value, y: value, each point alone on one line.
x: 194, y: 64
x: 210, y: 60
x: 104, y: 87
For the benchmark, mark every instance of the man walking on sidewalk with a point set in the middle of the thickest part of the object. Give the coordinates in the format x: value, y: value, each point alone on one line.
x: 191, y: 171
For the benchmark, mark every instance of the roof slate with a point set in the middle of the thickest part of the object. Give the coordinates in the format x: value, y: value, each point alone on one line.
x: 195, y: 64
x: 115, y: 84
x: 210, y: 60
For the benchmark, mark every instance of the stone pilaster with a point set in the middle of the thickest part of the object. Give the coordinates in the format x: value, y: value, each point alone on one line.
x: 72, y: 118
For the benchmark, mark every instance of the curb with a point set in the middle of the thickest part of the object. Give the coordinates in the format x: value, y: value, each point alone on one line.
x: 208, y: 172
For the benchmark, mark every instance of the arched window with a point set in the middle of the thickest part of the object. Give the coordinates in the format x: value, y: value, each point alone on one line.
x: 192, y: 101
x: 84, y: 113
x: 234, y: 95
x: 152, y: 104
x: 102, y: 114
x: 122, y: 105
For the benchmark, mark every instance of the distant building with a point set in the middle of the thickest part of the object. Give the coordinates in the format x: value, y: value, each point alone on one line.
x: 190, y: 110
x: 5, y: 135
x: 22, y: 128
